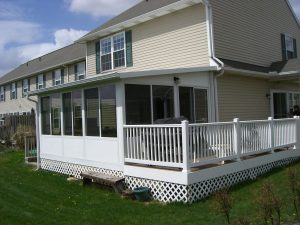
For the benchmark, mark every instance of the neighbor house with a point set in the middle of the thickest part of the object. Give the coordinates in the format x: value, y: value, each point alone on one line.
x: 165, y: 84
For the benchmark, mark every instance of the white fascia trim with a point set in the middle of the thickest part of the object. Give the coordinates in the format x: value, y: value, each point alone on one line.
x: 167, y: 72
x: 248, y: 73
x: 140, y: 19
x: 293, y: 73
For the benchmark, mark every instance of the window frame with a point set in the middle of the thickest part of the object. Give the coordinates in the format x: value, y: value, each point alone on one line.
x: 57, y: 80
x: 78, y: 75
x: 13, y: 90
x: 112, y: 51
x: 25, y: 89
x: 2, y: 94
x: 39, y: 85
x: 291, y: 45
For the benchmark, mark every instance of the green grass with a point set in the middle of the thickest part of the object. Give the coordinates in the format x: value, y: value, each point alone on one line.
x: 38, y: 197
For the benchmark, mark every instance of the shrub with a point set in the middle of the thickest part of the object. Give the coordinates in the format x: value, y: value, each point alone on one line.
x: 294, y: 187
x: 269, y: 204
x: 223, y: 203
x: 20, y: 134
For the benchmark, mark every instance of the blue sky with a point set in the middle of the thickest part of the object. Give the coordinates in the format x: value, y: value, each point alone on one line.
x: 30, y: 28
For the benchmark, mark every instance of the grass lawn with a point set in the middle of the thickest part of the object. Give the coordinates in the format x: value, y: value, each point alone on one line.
x: 37, y: 198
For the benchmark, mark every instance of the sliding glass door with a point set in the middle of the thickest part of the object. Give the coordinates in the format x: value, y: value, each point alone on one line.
x: 193, y: 104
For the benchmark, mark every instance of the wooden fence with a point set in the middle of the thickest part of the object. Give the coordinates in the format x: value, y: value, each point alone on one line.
x: 11, y: 123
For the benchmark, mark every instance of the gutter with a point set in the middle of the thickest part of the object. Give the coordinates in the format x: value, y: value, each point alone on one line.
x: 37, y: 130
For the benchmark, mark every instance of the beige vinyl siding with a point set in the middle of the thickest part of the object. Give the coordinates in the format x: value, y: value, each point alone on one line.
x: 172, y: 41
x: 15, y: 105
x: 243, y: 97
x: 249, y: 31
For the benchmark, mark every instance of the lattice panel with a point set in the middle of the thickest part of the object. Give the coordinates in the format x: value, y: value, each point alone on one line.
x: 75, y: 169
x: 170, y: 192
x: 161, y: 191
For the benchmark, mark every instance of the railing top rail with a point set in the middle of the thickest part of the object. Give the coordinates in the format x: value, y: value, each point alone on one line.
x: 255, y: 121
x: 286, y: 119
x: 211, y: 124
x: 153, y: 126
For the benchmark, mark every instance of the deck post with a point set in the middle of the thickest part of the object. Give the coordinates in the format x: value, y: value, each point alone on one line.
x: 272, y: 134
x: 297, y: 120
x: 237, y: 138
x: 185, y: 146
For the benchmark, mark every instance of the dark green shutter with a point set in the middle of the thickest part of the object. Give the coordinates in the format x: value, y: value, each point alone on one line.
x: 37, y: 82
x: 44, y: 81
x: 16, y: 92
x: 53, y: 78
x: 295, y: 49
x: 4, y: 89
x: 62, y: 73
x: 283, y: 47
x: 76, y: 72
x: 10, y: 91
x: 128, y: 36
x: 98, y: 69
x: 23, y: 89
x: 29, y: 84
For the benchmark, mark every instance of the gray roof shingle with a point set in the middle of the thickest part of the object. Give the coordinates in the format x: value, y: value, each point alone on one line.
x: 54, y: 59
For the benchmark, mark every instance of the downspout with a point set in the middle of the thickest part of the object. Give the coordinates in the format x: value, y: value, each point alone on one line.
x: 220, y: 64
x: 37, y: 130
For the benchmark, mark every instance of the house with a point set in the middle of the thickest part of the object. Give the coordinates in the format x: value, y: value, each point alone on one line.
x: 203, y: 62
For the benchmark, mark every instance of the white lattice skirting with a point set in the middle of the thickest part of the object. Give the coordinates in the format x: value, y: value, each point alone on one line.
x: 170, y: 192
x: 75, y: 169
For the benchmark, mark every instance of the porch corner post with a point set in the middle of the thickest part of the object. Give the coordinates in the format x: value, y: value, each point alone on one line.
x: 237, y: 138
x: 272, y: 134
x: 185, y: 146
x: 297, y: 120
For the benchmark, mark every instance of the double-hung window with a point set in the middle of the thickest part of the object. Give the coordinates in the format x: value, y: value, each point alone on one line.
x: 26, y: 87
x: 80, y: 71
x: 2, y: 94
x: 13, y: 91
x: 40, y: 82
x: 112, y: 51
x: 57, y: 77
x: 289, y: 47
x: 106, y: 59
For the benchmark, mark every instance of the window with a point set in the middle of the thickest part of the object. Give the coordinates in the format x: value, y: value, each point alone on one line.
x: 26, y: 87
x: 67, y: 113
x: 163, y: 102
x: 77, y: 113
x: 112, y: 51
x: 80, y: 71
x: 45, y: 111
x: 92, y: 112
x: 13, y: 91
x: 108, y: 111
x: 2, y: 94
x: 193, y: 104
x: 119, y: 50
x: 138, y: 106
x: 41, y: 83
x: 289, y: 47
x: 106, y: 60
x: 57, y: 75
x: 56, y: 114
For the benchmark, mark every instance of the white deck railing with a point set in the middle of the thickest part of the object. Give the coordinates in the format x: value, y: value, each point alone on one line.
x: 190, y: 145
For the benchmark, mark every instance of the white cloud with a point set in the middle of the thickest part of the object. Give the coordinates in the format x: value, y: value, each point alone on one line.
x: 29, y: 49
x: 98, y: 8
